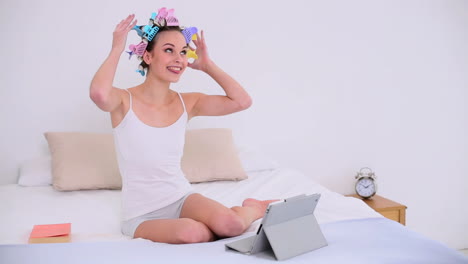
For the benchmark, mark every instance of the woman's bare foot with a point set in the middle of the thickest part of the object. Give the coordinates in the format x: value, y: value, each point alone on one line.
x: 261, y: 206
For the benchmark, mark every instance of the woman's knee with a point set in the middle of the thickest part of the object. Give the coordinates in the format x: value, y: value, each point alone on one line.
x: 193, y: 232
x: 228, y: 224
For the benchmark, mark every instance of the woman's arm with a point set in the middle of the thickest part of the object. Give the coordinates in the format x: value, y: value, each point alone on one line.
x: 101, y: 91
x: 236, y: 98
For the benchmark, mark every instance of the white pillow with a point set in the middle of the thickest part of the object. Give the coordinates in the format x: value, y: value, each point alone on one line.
x: 36, y: 172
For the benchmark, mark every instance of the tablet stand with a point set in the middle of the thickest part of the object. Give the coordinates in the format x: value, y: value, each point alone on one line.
x: 295, y: 237
x: 289, y: 228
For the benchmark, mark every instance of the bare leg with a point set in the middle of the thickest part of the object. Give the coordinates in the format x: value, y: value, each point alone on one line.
x: 174, y: 231
x: 223, y: 221
x: 252, y: 210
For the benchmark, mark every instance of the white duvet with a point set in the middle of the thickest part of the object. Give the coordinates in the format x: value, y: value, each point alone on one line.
x: 95, y: 215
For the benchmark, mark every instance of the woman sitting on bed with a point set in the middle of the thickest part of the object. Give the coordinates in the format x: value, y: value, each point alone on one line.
x: 149, y: 122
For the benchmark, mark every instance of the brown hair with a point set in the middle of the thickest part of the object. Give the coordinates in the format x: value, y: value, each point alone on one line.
x: 152, y: 43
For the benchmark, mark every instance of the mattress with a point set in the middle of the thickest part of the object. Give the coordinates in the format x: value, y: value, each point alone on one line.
x: 354, y: 232
x: 95, y: 214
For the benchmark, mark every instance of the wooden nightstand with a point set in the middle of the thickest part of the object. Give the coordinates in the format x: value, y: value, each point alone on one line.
x: 388, y: 208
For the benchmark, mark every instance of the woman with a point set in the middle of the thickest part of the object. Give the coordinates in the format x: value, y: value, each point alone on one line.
x: 149, y: 122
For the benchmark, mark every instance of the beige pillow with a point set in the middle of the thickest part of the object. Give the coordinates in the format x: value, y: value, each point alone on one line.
x: 83, y: 161
x: 210, y: 155
x: 86, y: 161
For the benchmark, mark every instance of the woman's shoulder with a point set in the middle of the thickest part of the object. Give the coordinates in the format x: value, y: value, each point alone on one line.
x: 191, y: 95
x: 127, y: 92
x: 190, y: 99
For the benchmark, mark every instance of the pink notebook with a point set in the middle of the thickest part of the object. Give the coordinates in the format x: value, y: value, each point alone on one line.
x: 53, y: 233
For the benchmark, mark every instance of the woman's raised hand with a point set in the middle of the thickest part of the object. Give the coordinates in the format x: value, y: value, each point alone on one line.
x: 203, y: 61
x: 121, y: 32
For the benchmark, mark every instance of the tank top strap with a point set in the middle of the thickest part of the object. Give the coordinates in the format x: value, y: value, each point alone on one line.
x: 182, y: 100
x: 130, y: 98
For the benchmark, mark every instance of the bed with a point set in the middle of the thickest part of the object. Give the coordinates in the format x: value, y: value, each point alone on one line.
x: 354, y: 232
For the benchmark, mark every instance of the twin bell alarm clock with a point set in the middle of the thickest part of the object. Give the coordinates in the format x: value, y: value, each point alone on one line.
x: 366, y: 186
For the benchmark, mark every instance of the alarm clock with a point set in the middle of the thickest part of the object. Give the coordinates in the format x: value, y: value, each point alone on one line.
x: 366, y: 186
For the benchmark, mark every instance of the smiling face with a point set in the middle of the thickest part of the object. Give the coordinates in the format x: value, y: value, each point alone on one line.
x: 167, y: 59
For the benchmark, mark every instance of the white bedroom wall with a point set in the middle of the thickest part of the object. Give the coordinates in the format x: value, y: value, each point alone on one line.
x: 337, y: 85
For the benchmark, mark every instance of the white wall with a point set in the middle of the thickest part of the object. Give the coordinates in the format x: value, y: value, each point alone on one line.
x: 337, y: 85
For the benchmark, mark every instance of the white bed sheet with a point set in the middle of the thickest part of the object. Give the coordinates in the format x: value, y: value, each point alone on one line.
x: 361, y: 241
x: 95, y: 215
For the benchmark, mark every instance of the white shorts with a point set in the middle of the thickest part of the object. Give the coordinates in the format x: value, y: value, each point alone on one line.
x: 171, y: 211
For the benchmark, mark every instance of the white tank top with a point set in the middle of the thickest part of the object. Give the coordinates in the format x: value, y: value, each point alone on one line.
x: 149, y: 160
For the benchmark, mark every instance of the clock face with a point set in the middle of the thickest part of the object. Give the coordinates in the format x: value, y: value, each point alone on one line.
x: 365, y: 187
